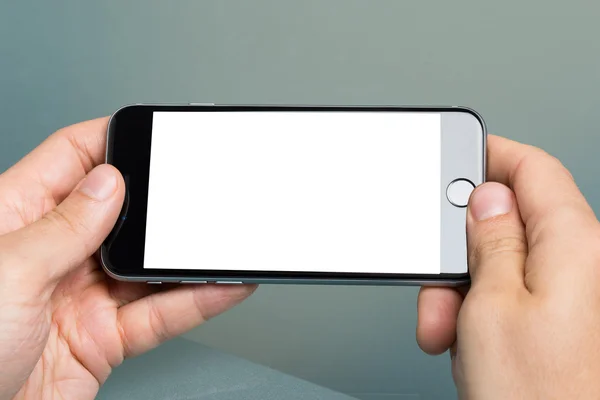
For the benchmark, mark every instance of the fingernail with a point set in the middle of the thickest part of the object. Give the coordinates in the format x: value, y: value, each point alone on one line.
x: 100, y: 183
x: 490, y: 200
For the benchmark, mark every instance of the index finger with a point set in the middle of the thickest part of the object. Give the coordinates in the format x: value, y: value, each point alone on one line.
x: 63, y: 159
x: 556, y: 215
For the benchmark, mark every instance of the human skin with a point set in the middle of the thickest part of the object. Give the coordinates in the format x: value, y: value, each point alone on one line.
x: 529, y: 325
x: 64, y: 324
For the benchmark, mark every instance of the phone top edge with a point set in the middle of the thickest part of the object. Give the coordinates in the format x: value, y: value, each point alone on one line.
x: 445, y: 107
x: 425, y: 108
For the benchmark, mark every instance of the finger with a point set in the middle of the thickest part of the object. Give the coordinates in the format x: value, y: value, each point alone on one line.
x: 556, y: 215
x: 497, y: 246
x: 147, y: 322
x: 127, y: 292
x: 62, y: 160
x: 66, y: 236
x: 437, y: 310
x: 123, y: 292
x: 542, y: 185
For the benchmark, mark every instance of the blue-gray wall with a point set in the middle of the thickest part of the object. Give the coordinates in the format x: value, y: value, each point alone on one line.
x: 532, y: 68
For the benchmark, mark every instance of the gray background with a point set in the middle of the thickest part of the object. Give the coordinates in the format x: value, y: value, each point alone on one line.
x: 531, y: 68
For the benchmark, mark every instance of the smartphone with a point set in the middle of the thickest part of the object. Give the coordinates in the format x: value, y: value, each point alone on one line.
x: 231, y: 194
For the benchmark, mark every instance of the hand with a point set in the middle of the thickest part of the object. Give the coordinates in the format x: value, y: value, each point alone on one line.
x: 63, y: 323
x: 528, y: 326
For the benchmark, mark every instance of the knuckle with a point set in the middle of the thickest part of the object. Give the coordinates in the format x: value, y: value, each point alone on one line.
x: 81, y: 145
x: 560, y: 167
x: 66, y: 223
x: 157, y: 323
x: 544, y: 157
x: 537, y: 154
x: 536, y: 158
x: 82, y: 150
x: 498, y: 247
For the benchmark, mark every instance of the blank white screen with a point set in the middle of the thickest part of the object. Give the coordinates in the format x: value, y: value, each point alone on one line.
x: 295, y: 191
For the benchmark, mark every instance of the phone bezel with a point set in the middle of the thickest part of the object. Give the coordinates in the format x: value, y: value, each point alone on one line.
x: 129, y: 141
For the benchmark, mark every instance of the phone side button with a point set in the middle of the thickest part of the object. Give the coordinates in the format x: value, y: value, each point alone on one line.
x: 229, y: 283
x: 154, y: 283
x: 192, y: 282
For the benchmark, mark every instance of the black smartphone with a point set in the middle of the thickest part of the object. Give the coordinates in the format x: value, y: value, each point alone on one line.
x: 293, y: 194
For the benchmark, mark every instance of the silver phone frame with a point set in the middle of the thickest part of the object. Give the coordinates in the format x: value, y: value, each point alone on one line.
x: 469, y: 160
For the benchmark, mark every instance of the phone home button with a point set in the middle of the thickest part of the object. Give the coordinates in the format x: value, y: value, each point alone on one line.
x: 459, y: 191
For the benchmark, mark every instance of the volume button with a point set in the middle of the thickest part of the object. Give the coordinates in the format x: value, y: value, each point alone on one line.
x: 202, y: 104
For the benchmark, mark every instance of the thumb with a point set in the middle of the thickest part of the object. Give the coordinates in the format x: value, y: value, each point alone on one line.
x: 497, y: 243
x: 69, y: 234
